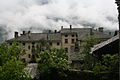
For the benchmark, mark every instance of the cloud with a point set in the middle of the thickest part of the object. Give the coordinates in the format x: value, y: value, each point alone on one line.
x: 37, y: 15
x: 3, y: 33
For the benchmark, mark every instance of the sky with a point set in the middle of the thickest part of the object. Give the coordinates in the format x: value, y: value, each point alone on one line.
x: 37, y: 15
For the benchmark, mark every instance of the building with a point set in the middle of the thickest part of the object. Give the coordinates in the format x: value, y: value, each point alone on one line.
x: 110, y: 46
x: 65, y: 38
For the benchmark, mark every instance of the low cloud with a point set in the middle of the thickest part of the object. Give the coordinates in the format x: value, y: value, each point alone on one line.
x: 37, y: 15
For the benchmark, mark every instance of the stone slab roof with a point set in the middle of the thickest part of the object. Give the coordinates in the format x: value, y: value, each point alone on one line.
x: 81, y: 32
x: 102, y: 44
x: 37, y: 37
x: 54, y: 37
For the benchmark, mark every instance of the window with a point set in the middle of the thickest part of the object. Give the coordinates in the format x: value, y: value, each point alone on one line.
x: 29, y: 55
x: 28, y: 47
x: 72, y: 41
x: 50, y: 43
x: 66, y: 50
x: 17, y: 44
x: 23, y: 60
x: 66, y: 35
x: 58, y: 43
x: 76, y: 35
x: 33, y: 46
x: 76, y: 47
x: 33, y: 43
x: 33, y: 56
x: 76, y: 39
x: 37, y: 46
x: 66, y: 40
x: 10, y: 43
x: 73, y: 35
x: 23, y: 44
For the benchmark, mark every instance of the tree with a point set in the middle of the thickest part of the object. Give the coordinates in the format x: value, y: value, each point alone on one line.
x: 7, y: 52
x: 109, y: 63
x: 11, y: 68
x: 88, y: 58
x: 53, y: 63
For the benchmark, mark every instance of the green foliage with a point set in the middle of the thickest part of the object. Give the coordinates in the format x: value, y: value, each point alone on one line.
x: 11, y: 68
x: 89, y: 59
x: 85, y: 75
x: 109, y: 63
x: 54, y: 62
x: 89, y: 42
x: 7, y: 52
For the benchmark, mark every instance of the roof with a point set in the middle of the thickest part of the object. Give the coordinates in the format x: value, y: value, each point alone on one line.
x: 81, y: 33
x: 54, y: 37
x: 37, y: 37
x: 101, y: 35
x: 102, y: 44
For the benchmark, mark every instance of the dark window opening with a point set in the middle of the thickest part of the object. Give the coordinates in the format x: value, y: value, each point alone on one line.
x: 50, y: 43
x: 66, y: 35
x: 73, y: 41
x: 66, y: 50
x: 58, y: 43
x: 29, y: 55
x: 37, y: 55
x: 10, y: 43
x: 76, y: 47
x: 17, y: 44
x: 23, y: 60
x: 33, y: 56
x: 42, y: 50
x: 76, y: 35
x: 33, y: 46
x: 37, y: 46
x: 66, y: 40
x: 23, y: 44
x: 33, y: 43
x: 28, y: 47
x: 73, y: 35
x: 76, y: 39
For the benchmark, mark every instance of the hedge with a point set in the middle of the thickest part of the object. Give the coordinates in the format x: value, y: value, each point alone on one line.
x: 80, y: 75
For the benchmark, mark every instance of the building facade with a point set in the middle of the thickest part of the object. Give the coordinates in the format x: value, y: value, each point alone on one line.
x: 65, y: 38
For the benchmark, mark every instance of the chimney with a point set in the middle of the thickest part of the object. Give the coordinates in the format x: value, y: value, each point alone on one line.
x: 23, y: 32
x: 28, y: 32
x: 91, y: 31
x: 110, y: 33
x: 116, y: 32
x: 100, y: 29
x: 61, y: 27
x: 49, y: 31
x: 55, y: 31
x: 16, y: 34
x: 70, y: 26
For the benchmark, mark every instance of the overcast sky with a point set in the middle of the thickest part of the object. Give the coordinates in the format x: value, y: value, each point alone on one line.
x: 37, y: 15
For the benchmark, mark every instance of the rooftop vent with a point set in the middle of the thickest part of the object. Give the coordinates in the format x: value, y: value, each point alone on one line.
x: 100, y: 29
x: 70, y: 26
x: 16, y: 34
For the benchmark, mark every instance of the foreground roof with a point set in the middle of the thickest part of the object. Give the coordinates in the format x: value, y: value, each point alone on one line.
x: 109, y: 46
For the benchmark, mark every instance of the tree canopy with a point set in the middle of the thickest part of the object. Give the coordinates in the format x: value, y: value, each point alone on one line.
x: 11, y: 68
x: 53, y: 61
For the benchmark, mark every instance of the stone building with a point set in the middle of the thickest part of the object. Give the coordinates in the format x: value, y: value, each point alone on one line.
x: 64, y: 38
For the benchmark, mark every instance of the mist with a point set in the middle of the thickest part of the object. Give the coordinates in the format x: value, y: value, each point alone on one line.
x: 37, y: 15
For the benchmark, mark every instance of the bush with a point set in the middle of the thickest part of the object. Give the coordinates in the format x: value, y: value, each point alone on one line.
x: 79, y: 75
